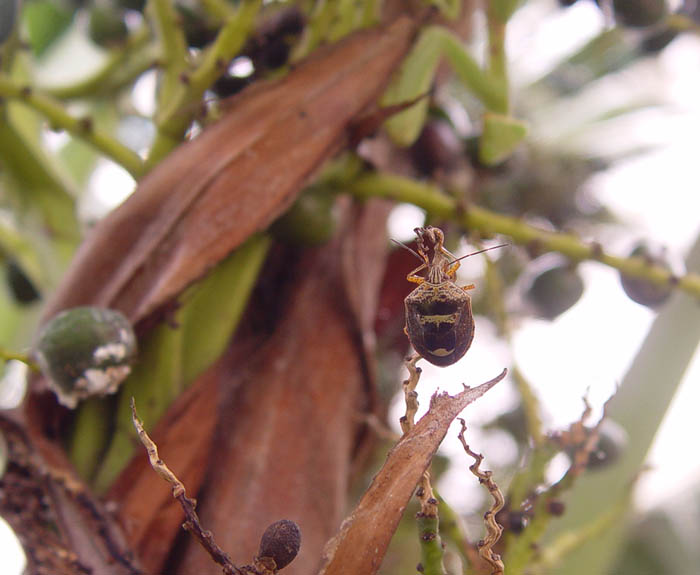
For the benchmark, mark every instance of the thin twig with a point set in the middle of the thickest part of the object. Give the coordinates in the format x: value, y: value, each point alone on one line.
x: 493, y: 529
x: 429, y: 535
x: 439, y: 204
x: 192, y: 523
x: 82, y: 128
x: 7, y: 355
x: 410, y: 395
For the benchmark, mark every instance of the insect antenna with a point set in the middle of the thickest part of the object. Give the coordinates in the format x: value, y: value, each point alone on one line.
x: 404, y: 246
x: 479, y: 252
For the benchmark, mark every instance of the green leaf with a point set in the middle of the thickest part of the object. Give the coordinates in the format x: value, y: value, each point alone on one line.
x: 503, y: 9
x: 500, y: 137
x: 415, y: 78
x: 45, y: 21
x: 171, y: 358
x: 215, y: 306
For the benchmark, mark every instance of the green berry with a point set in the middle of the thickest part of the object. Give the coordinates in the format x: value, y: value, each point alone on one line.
x: 639, y: 13
x: 85, y: 351
x: 640, y: 290
x: 107, y: 26
x: 22, y: 288
x: 555, y: 289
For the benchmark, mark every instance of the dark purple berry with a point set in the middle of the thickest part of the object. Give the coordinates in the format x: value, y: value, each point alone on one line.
x: 280, y: 542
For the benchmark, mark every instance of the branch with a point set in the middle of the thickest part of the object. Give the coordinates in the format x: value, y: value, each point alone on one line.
x: 436, y: 203
x: 173, y: 119
x: 173, y: 45
x: 122, y: 67
x: 7, y: 355
x: 493, y: 529
x: 192, y: 523
x: 82, y: 128
x: 427, y: 518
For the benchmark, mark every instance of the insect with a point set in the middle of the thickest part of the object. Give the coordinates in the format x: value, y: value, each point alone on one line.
x: 439, y: 321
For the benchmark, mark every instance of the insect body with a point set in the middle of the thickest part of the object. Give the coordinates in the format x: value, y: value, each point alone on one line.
x: 439, y: 321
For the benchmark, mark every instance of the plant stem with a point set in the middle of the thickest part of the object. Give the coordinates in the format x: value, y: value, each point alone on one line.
x: 452, y: 530
x: 82, y: 128
x: 497, y: 61
x: 7, y: 355
x: 171, y: 37
x: 41, y: 186
x: 474, y: 218
x: 174, y: 116
x: 122, y: 67
x: 431, y: 551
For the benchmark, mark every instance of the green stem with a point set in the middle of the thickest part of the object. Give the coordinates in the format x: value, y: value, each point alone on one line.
x: 451, y: 529
x: 82, y: 128
x: 90, y: 434
x: 171, y: 359
x: 7, y: 355
x: 474, y: 218
x: 40, y: 186
x: 531, y: 405
x: 431, y: 551
x: 496, y: 294
x: 176, y: 115
x: 122, y: 67
x: 221, y: 10
x: 497, y: 61
x: 552, y: 554
x: 492, y: 92
x: 171, y: 37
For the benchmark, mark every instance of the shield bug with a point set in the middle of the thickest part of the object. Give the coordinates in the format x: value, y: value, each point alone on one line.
x: 439, y: 321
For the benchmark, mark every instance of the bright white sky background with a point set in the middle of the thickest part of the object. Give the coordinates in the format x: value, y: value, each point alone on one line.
x: 632, y: 189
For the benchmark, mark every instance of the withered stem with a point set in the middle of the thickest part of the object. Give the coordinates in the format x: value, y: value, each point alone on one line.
x: 493, y: 529
x: 191, y: 524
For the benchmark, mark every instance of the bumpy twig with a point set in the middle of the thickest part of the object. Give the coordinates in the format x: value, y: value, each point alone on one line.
x: 407, y: 421
x: 478, y: 219
x: 427, y: 517
x: 7, y: 355
x: 82, y: 128
x: 192, y: 523
x: 493, y: 529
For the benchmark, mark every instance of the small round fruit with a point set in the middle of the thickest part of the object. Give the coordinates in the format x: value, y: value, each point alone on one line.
x: 310, y: 221
x: 85, y: 351
x: 107, y: 26
x: 640, y: 290
x: 639, y: 13
x: 280, y: 542
x: 23, y: 290
x: 437, y: 148
x: 612, y: 441
x: 554, y: 289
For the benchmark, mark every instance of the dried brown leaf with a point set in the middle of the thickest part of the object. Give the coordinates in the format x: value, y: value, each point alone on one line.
x: 212, y: 193
x: 289, y: 433
x: 361, y: 543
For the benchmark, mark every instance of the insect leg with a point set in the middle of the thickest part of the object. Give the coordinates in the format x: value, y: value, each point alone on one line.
x: 416, y: 279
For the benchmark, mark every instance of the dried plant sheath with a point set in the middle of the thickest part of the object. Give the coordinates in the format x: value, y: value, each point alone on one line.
x: 289, y: 431
x: 363, y: 538
x: 212, y: 193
